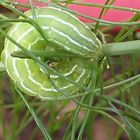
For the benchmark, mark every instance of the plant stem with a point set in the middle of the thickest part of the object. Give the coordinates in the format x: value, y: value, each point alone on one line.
x: 105, y: 6
x: 47, y: 54
x: 111, y: 49
x: 94, y: 19
x: 130, y: 47
x: 36, y: 118
x: 100, y: 16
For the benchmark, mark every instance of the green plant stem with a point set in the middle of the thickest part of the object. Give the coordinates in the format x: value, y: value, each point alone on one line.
x: 104, y: 88
x: 83, y: 4
x: 13, y: 20
x: 110, y: 6
x: 126, y: 29
x: 47, y: 54
x: 2, y: 114
x: 36, y: 119
x: 20, y: 4
x: 27, y: 19
x: 75, y: 116
x: 100, y: 16
x: 88, y: 115
x: 129, y: 32
x: 32, y: 10
x: 130, y: 47
x: 105, y: 6
x: 95, y: 19
x: 15, y: 115
x: 133, y: 132
x: 120, y: 104
x: 10, y: 7
x: 112, y: 49
x: 3, y: 16
x: 85, y: 121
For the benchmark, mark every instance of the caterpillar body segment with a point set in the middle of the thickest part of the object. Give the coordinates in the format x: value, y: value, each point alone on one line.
x: 65, y: 32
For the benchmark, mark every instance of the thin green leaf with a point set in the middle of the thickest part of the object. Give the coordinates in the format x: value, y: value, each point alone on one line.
x: 37, y: 120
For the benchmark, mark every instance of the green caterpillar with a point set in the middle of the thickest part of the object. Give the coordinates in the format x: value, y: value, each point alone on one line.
x: 63, y: 32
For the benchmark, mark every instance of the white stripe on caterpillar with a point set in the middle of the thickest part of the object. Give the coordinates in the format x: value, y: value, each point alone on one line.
x: 70, y: 39
x: 68, y: 24
x: 27, y: 89
x: 63, y: 11
x: 66, y: 74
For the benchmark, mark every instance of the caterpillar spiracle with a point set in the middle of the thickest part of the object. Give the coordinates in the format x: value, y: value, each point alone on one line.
x: 64, y: 32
